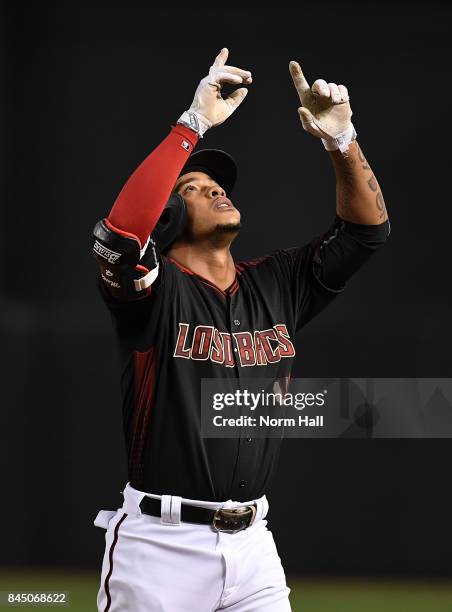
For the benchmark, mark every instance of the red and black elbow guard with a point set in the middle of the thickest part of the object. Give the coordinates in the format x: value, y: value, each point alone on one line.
x: 126, y: 270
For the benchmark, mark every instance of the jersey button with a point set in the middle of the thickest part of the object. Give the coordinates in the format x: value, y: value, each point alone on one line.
x: 242, y: 483
x: 236, y: 322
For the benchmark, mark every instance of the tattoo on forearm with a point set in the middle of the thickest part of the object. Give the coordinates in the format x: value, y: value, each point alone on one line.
x: 381, y: 205
x: 350, y: 181
x: 372, y: 182
x: 362, y: 159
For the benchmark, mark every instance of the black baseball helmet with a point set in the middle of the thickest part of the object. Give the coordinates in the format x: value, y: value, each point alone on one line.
x: 220, y: 166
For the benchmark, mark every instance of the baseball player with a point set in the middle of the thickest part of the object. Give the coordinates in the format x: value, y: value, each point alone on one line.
x: 191, y: 534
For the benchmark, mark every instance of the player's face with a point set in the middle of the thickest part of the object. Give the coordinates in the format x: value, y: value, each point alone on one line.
x: 208, y: 207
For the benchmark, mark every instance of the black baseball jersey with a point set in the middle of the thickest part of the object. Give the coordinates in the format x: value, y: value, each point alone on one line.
x: 187, y: 329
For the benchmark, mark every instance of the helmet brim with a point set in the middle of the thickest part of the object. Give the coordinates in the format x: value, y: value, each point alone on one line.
x: 217, y: 164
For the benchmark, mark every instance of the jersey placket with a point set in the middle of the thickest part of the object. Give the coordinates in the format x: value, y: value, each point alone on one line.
x: 245, y: 446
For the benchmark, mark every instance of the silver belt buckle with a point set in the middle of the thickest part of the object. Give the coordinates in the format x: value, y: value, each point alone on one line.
x: 231, y: 520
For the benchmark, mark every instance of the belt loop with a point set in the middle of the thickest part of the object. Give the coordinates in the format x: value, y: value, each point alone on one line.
x: 176, y: 503
x: 229, y: 504
x: 170, y: 509
x: 262, y: 508
x: 132, y: 500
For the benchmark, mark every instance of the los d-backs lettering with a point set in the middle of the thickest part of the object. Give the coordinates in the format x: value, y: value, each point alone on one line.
x: 260, y: 347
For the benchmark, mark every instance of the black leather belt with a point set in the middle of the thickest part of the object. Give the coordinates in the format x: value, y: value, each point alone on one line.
x: 230, y: 520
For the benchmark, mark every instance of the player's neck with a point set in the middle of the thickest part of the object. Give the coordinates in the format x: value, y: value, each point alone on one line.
x: 214, y: 264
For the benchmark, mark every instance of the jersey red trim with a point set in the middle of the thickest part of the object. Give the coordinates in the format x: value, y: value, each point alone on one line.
x: 233, y: 287
x: 241, y: 265
x: 181, y: 267
x: 145, y: 379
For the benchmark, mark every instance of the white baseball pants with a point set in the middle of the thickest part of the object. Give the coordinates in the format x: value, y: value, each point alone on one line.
x: 154, y: 564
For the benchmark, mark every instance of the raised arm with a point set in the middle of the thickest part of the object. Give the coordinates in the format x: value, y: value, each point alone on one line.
x: 127, y: 267
x: 326, y: 114
x: 358, y: 195
x: 144, y: 196
x: 361, y: 225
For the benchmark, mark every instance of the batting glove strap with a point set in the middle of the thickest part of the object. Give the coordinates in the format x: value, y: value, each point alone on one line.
x: 341, y: 141
x: 195, y: 122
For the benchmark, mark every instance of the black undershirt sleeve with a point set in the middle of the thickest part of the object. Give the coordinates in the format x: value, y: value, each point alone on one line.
x: 343, y: 249
x: 317, y: 272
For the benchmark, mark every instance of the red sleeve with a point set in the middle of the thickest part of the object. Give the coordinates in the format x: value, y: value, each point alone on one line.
x: 142, y: 199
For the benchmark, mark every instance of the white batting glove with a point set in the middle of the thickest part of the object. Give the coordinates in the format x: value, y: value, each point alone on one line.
x: 325, y: 110
x: 208, y: 108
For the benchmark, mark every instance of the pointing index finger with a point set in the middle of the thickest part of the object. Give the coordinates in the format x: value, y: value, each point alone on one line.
x: 299, y: 80
x: 221, y: 58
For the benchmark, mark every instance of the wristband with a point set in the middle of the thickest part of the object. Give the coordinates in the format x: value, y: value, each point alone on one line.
x: 195, y: 122
x: 341, y: 141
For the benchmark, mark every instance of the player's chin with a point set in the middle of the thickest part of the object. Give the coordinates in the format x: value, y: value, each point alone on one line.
x: 227, y: 216
x: 229, y: 228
